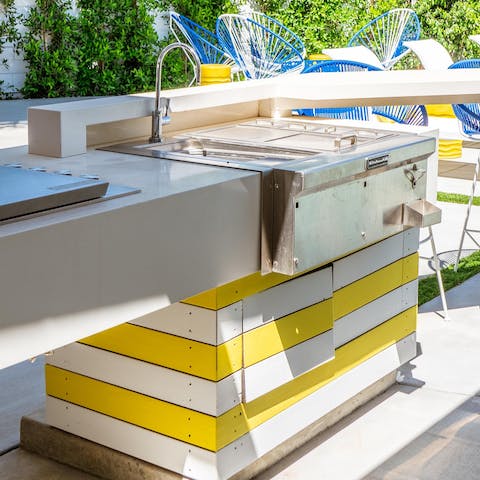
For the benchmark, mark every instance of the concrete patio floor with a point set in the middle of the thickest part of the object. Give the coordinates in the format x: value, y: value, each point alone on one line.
x: 425, y: 428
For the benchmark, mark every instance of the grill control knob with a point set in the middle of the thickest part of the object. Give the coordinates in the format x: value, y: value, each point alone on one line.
x: 63, y: 172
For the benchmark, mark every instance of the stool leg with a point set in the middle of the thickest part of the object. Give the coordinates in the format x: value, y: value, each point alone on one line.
x: 467, y: 216
x: 439, y: 275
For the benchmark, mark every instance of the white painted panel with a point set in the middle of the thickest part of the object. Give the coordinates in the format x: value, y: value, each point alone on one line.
x: 201, y: 464
x: 286, y: 298
x: 283, y: 367
x: 213, y: 398
x: 180, y: 457
x: 407, y: 348
x: 196, y: 323
x: 374, y: 313
x: 411, y: 240
x: 183, y: 320
x: 369, y: 260
x: 273, y: 432
x: 229, y: 322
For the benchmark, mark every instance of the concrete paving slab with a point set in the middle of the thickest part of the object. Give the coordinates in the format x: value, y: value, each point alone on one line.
x: 462, y: 424
x: 450, y: 351
x: 454, y: 185
x: 22, y: 390
x: 376, y: 432
x: 432, y: 457
x: 13, y: 136
x: 22, y: 465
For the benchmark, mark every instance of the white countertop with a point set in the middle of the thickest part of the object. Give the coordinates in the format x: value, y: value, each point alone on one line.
x: 345, y: 88
x: 77, y: 271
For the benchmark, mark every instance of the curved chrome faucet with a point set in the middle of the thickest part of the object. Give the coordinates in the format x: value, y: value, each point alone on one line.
x: 160, y: 115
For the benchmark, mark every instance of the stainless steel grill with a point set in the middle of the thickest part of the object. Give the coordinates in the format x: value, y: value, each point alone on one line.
x: 327, y: 190
x: 32, y: 191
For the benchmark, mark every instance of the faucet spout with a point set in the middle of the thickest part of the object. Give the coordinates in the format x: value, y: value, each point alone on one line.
x: 160, y: 114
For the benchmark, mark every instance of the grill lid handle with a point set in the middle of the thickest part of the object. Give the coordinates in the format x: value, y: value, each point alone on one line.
x: 351, y: 137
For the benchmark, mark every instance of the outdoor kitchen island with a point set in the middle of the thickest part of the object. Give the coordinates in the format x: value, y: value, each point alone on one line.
x: 224, y: 381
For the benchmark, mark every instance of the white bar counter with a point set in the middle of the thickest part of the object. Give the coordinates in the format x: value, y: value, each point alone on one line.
x: 107, y: 274
x: 62, y: 130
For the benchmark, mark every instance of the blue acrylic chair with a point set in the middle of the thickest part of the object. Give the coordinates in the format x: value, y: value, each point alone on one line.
x: 385, y: 35
x: 407, y: 114
x: 281, y: 30
x: 203, y: 41
x: 344, y: 113
x: 468, y: 113
x: 258, y: 51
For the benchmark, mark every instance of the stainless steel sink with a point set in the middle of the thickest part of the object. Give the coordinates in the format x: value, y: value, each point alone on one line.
x: 263, y: 143
x: 226, y: 149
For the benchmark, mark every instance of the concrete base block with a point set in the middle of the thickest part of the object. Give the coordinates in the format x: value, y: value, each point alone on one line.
x: 38, y: 437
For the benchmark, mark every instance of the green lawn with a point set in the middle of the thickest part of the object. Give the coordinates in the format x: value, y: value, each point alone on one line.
x: 467, y: 267
x: 456, y: 198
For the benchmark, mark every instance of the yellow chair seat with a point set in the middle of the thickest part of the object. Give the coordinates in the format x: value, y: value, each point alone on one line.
x: 449, y: 149
x: 211, y: 73
x: 440, y: 110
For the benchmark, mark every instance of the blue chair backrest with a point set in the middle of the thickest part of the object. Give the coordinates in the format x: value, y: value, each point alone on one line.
x: 407, y: 114
x: 349, y: 113
x: 203, y: 41
x: 258, y: 51
x: 280, y: 29
x: 468, y: 113
x: 385, y: 34
x: 340, y: 66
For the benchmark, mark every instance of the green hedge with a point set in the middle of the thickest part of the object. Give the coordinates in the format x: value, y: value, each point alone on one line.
x: 110, y: 47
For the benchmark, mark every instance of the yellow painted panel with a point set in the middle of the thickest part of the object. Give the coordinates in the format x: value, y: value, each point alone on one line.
x: 410, y: 268
x: 246, y: 417
x: 274, y: 337
x: 156, y: 415
x: 229, y: 357
x: 170, y: 351
x: 232, y: 292
x: 372, y: 286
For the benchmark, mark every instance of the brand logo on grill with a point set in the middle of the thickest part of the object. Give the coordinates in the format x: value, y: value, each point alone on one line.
x: 376, y: 162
